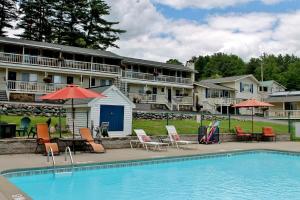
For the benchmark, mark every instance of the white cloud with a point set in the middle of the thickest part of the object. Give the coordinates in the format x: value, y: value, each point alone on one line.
x: 150, y: 35
x: 209, y: 4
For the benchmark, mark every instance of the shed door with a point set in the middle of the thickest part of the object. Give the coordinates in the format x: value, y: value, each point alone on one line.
x: 114, y: 115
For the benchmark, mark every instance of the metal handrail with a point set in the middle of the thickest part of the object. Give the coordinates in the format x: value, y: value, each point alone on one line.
x: 50, y: 153
x: 68, y: 150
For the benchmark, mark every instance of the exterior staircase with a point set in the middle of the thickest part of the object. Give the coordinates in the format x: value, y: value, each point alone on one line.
x: 3, y: 95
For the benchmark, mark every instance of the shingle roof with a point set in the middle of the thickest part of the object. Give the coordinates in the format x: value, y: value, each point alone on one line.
x: 213, y: 86
x: 270, y: 83
x: 229, y: 79
x: 156, y: 64
x: 64, y: 48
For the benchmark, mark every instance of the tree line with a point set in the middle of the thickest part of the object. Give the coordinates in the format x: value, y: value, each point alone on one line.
x: 78, y: 23
x: 285, y: 69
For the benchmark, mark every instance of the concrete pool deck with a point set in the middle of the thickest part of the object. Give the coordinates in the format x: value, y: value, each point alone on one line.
x: 19, y: 161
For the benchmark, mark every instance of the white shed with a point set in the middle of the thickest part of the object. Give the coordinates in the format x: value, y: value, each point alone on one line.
x: 115, y: 108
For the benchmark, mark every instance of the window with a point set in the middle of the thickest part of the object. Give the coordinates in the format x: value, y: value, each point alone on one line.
x: 246, y: 87
x: 33, y: 78
x: 104, y: 82
x: 162, y: 89
x: 57, y: 79
x: 25, y: 77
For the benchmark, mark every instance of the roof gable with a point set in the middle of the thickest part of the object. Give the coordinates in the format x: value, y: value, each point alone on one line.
x: 231, y: 79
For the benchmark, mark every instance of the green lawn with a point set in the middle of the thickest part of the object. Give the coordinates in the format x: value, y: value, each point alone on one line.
x: 34, y: 120
x: 157, y: 127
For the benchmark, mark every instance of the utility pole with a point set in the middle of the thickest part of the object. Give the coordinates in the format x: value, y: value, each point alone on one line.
x: 262, y: 69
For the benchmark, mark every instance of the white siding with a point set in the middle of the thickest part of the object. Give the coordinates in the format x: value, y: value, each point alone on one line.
x: 79, y: 121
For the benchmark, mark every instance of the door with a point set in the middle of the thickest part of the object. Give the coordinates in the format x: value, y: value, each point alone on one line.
x: 70, y: 80
x: 169, y: 95
x: 114, y: 115
x: 154, y: 92
x: 12, y: 76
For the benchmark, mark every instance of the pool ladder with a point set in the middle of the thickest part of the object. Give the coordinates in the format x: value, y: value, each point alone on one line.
x: 51, y: 154
x: 68, y: 152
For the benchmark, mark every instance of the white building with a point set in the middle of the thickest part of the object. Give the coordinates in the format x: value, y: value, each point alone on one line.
x: 115, y: 108
x: 218, y: 95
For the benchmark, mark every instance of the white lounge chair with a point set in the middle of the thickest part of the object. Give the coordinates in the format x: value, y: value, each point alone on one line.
x: 146, y: 140
x: 175, y: 138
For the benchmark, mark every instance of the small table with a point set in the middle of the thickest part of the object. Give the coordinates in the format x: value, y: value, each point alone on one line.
x: 77, y: 142
x: 256, y: 136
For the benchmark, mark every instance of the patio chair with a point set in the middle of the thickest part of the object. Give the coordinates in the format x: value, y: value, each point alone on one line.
x: 90, y: 142
x: 241, y: 135
x: 146, y: 140
x: 43, y: 138
x: 267, y: 132
x: 24, y: 126
x: 175, y: 138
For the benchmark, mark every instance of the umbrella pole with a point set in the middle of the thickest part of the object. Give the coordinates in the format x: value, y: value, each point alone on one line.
x: 252, y: 120
x: 73, y: 116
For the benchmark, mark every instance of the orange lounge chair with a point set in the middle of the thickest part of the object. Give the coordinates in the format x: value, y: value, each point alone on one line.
x: 267, y: 132
x: 43, y: 138
x: 94, y: 147
x: 241, y: 135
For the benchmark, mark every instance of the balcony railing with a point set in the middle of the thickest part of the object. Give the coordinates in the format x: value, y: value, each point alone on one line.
x: 33, y: 87
x: 147, y: 98
x: 158, y: 78
x: 183, y: 100
x: 58, y: 63
x: 283, y: 114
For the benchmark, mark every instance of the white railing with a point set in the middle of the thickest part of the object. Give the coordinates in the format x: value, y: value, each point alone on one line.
x: 105, y: 68
x: 33, y: 87
x: 57, y: 63
x: 159, y: 78
x: 183, y: 100
x: 222, y: 101
x: 283, y: 114
x: 147, y: 98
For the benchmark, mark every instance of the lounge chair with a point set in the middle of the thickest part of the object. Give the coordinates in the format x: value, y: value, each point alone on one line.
x: 241, y: 135
x: 43, y: 138
x: 175, y: 138
x: 267, y: 132
x: 146, y: 140
x: 24, y: 126
x: 90, y: 142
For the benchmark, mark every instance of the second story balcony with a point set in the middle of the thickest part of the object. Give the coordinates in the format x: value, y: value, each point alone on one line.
x: 58, y: 63
x: 151, y: 77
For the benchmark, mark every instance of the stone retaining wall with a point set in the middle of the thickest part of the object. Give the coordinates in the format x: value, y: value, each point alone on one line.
x: 19, y: 146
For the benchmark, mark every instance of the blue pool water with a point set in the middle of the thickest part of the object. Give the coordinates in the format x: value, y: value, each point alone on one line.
x: 259, y: 175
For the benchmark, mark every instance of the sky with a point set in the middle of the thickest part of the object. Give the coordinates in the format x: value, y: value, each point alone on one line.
x: 164, y: 29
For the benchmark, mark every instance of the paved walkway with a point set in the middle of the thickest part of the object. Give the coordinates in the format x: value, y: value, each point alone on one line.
x: 35, y: 160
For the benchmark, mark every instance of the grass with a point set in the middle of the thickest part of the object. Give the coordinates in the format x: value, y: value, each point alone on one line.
x: 35, y: 120
x: 157, y: 127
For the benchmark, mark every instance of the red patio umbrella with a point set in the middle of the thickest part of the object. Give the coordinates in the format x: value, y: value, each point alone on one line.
x: 72, y: 92
x: 252, y: 103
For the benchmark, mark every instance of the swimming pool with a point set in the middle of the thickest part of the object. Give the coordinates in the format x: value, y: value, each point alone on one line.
x: 243, y: 175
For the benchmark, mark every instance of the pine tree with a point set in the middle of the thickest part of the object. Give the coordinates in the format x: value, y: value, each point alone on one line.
x: 67, y: 22
x: 36, y: 20
x: 7, y: 14
x: 100, y: 33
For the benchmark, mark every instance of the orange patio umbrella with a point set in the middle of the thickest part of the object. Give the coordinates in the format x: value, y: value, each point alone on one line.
x: 72, y: 92
x: 252, y: 103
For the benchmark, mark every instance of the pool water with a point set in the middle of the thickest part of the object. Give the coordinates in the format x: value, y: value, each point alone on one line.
x: 260, y: 175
